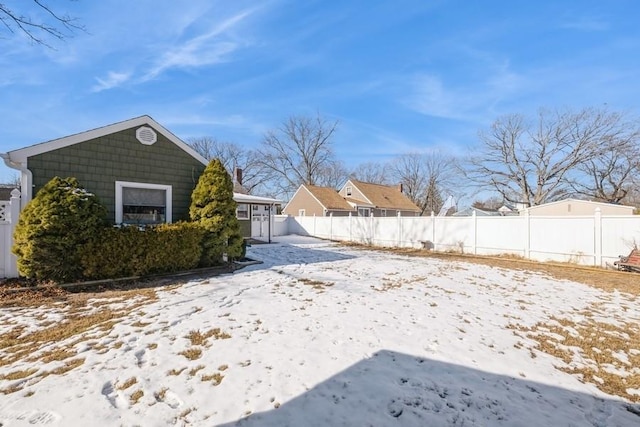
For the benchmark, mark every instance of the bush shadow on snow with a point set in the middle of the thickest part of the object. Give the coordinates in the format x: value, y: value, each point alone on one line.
x: 392, y: 388
x: 287, y: 254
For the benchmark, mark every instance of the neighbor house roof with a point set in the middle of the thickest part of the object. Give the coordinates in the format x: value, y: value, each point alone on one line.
x: 21, y: 155
x: 385, y: 196
x: 328, y: 198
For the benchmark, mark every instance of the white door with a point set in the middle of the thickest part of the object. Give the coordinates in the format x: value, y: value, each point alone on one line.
x: 256, y: 225
x: 260, y: 221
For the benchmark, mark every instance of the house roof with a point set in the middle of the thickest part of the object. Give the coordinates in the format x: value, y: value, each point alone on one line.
x: 385, y: 196
x: 328, y: 198
x: 589, y: 202
x: 479, y: 212
x: 21, y: 155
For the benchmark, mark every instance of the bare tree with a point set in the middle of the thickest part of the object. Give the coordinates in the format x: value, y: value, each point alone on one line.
x: 611, y: 174
x: 535, y: 164
x: 425, y: 177
x: 49, y: 24
x: 373, y: 172
x: 489, y: 204
x: 298, y: 152
x: 334, y: 175
x: 232, y: 156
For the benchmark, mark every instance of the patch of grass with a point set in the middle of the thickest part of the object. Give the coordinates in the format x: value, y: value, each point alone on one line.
x: 54, y: 355
x: 128, y: 383
x: 12, y: 389
x: 152, y: 346
x: 192, y: 353
x: 140, y: 324
x: 68, y: 366
x: 196, y: 337
x: 223, y: 367
x: 218, y: 334
x: 199, y: 338
x: 18, y: 375
x: 316, y: 284
x: 599, y: 353
x: 136, y: 396
x: 216, y: 378
x: 160, y: 395
x: 176, y: 372
x: 194, y: 371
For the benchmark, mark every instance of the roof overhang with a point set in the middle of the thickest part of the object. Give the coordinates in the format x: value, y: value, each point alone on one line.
x: 247, y: 198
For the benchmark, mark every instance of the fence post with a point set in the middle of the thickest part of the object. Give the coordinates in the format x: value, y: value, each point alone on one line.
x: 10, y: 260
x: 527, y: 234
x: 474, y: 242
x: 330, y: 225
x: 371, y: 227
x: 350, y: 220
x: 314, y: 226
x: 433, y: 230
x: 597, y: 229
x: 399, y: 239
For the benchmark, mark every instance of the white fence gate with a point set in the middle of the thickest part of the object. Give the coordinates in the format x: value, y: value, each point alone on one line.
x: 588, y: 240
x: 9, y: 213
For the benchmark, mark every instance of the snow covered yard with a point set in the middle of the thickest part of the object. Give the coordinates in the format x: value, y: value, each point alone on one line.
x: 321, y: 334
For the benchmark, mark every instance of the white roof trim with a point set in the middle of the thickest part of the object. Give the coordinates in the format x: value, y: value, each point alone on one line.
x: 247, y: 198
x: 22, y: 154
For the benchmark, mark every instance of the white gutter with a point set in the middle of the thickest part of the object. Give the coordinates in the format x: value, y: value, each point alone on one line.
x: 26, y: 178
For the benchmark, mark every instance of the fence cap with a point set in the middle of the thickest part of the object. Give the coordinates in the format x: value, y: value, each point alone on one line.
x: 15, y: 193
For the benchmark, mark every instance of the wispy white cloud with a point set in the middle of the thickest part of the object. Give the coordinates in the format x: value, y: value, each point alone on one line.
x: 205, y: 49
x: 113, y: 79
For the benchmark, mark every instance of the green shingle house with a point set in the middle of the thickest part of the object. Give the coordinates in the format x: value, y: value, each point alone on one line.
x: 141, y: 172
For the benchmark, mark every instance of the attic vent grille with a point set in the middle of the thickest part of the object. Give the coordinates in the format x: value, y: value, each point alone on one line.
x: 146, y: 135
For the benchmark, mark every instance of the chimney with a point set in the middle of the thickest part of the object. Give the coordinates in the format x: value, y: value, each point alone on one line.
x: 237, y: 175
x: 400, y: 187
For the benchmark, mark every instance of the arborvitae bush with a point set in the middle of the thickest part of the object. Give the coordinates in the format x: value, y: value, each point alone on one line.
x: 213, y: 207
x: 53, y: 228
x: 131, y: 251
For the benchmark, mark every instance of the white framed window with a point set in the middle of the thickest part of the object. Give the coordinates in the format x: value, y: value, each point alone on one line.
x: 363, y: 211
x: 242, y: 211
x: 301, y: 212
x: 142, y: 203
x: 348, y: 191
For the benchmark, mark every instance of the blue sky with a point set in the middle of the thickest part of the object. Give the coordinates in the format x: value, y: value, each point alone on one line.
x: 400, y: 76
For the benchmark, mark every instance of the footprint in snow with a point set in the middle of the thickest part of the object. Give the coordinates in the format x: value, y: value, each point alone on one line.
x: 115, y: 398
x: 141, y: 358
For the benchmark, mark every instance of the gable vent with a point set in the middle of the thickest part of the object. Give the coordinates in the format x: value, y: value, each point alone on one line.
x: 146, y: 135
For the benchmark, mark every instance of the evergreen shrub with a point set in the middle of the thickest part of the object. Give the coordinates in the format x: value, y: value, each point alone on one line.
x: 213, y: 208
x: 132, y: 251
x: 53, y: 228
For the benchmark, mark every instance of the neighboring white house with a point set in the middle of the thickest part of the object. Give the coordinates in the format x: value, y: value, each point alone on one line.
x: 577, y: 207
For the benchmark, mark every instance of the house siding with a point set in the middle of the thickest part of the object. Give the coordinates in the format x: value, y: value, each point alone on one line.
x: 304, y: 200
x: 355, y: 193
x: 100, y: 162
x: 245, y: 227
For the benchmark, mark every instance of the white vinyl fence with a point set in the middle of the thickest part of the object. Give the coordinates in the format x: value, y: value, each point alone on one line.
x: 9, y: 212
x: 588, y: 240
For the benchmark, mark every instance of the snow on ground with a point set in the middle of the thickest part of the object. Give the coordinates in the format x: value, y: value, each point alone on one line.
x: 321, y: 334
